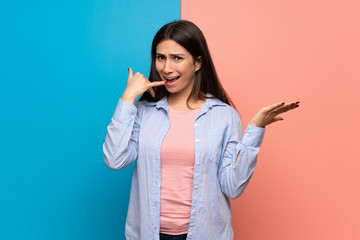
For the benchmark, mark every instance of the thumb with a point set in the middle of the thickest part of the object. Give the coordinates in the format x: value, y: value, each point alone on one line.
x: 275, y: 119
x: 130, y: 73
x: 156, y: 83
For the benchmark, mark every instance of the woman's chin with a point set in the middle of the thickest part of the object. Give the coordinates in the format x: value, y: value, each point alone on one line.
x: 169, y: 89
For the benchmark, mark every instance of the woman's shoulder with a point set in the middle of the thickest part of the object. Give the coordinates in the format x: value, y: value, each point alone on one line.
x: 225, y: 111
x: 148, y: 106
x: 221, y: 106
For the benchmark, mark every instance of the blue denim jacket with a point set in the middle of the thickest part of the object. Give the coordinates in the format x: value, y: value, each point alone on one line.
x: 136, y: 133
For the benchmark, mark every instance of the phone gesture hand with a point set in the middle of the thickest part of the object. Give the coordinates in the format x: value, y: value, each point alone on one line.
x: 137, y: 84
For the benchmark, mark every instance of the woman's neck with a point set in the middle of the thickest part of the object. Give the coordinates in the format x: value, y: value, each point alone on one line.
x: 180, y: 103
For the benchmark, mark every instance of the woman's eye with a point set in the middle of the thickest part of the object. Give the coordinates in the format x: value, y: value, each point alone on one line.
x: 178, y: 58
x: 160, y: 57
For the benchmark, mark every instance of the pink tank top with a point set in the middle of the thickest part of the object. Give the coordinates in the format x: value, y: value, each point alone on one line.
x: 177, y: 172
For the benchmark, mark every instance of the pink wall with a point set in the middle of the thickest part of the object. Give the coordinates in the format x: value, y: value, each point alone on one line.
x: 306, y: 185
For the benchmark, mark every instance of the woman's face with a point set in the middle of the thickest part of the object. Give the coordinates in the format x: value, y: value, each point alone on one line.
x: 176, y: 66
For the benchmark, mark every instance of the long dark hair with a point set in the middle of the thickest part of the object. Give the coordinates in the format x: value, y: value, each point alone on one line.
x: 190, y: 37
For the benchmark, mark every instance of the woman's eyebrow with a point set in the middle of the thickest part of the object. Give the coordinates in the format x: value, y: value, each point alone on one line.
x: 172, y: 54
x: 177, y: 54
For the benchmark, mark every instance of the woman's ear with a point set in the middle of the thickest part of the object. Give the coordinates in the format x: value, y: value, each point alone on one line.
x: 197, y: 63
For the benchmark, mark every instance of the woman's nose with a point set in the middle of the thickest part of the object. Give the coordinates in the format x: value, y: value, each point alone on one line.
x: 168, y: 67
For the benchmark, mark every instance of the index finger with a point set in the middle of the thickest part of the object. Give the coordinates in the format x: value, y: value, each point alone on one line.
x: 274, y: 106
x: 286, y: 108
x: 279, y: 107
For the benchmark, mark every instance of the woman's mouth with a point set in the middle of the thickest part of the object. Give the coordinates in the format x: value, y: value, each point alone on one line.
x: 171, y: 79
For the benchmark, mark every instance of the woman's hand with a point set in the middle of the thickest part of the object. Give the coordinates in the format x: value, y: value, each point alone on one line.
x: 269, y: 114
x: 136, y: 85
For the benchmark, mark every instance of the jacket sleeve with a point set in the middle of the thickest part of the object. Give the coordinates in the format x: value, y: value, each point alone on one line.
x: 233, y: 177
x: 121, y: 142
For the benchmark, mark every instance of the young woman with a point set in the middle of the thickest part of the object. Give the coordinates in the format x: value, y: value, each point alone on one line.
x: 191, y: 155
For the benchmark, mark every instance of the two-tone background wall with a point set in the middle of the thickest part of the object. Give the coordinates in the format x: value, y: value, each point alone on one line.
x: 63, y: 67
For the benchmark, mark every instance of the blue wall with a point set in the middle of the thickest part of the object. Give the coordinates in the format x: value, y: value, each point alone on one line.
x: 63, y: 67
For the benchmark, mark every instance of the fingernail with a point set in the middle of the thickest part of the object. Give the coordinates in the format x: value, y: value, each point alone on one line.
x: 282, y: 103
x: 297, y: 102
x: 297, y: 105
x: 128, y: 69
x: 166, y: 81
x: 292, y: 104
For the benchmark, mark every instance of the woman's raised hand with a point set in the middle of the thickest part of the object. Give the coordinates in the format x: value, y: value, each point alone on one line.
x: 270, y: 113
x: 137, y: 84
